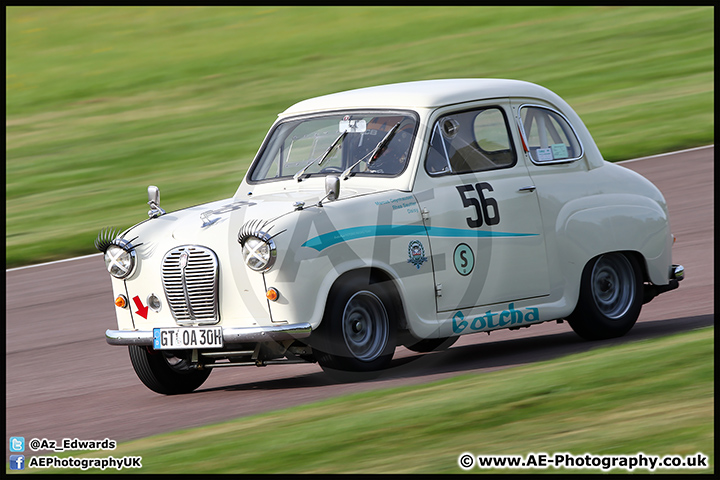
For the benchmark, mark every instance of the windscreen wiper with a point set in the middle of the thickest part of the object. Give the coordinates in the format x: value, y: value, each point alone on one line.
x: 323, y: 157
x: 377, y: 151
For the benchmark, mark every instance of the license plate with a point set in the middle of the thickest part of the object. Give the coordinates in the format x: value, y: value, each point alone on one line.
x: 187, y: 337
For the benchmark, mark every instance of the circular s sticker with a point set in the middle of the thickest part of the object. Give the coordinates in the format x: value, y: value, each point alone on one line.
x: 464, y: 259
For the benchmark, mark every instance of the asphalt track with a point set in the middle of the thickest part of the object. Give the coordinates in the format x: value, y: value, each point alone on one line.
x: 64, y: 381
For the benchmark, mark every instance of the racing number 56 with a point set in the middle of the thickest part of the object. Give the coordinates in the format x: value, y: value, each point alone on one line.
x: 483, y: 208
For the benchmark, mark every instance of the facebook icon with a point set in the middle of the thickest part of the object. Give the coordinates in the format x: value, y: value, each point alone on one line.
x: 17, y: 462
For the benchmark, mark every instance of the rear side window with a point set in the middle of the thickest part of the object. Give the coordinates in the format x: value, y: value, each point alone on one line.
x: 549, y: 135
x: 470, y: 141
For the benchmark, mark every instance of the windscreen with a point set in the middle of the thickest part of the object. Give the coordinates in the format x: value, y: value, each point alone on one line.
x: 321, y: 145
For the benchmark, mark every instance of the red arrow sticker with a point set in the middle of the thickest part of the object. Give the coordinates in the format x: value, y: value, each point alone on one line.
x: 142, y: 310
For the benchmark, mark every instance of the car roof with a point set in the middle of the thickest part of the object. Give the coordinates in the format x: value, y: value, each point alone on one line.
x: 422, y: 94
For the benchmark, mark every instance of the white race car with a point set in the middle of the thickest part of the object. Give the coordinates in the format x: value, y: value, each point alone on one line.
x: 404, y: 214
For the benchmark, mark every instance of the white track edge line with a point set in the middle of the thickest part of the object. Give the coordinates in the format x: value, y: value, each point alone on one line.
x: 52, y: 263
x: 667, y: 154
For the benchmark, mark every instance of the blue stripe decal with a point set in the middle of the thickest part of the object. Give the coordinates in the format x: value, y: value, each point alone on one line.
x: 329, y: 239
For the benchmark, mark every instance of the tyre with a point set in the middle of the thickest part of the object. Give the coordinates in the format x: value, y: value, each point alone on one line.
x: 431, y: 344
x: 167, y: 373
x: 358, y: 332
x: 611, y: 296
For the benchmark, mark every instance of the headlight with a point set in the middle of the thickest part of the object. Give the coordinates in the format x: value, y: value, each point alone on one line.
x: 259, y: 252
x: 119, y: 252
x: 119, y: 261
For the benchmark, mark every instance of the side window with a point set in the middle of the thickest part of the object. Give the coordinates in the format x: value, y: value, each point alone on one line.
x: 491, y: 132
x: 470, y: 141
x: 549, y: 136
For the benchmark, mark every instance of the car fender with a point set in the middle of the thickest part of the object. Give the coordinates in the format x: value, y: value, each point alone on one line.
x: 597, y: 224
x: 415, y: 312
x: 326, y: 244
x: 317, y: 294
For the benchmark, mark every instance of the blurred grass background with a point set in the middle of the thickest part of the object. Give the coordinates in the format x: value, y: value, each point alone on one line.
x: 652, y: 396
x: 103, y: 101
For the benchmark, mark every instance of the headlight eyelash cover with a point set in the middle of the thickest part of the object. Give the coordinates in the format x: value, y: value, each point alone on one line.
x: 258, y: 248
x: 120, y: 256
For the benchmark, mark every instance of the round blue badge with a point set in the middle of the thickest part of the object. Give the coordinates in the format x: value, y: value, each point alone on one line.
x: 464, y: 259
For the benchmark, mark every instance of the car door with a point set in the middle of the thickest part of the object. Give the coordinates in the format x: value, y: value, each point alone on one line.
x: 480, y: 210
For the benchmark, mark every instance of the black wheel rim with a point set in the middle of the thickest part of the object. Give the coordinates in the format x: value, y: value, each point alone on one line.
x: 613, y: 285
x: 365, y: 326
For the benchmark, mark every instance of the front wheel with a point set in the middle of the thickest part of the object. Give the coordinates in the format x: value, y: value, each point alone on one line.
x: 167, y: 373
x: 358, y: 332
x: 611, y: 296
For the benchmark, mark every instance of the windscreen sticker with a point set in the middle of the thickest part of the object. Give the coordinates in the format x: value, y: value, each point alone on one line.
x: 559, y: 151
x: 544, y: 154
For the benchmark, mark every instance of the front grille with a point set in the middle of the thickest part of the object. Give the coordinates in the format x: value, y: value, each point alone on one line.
x: 190, y: 280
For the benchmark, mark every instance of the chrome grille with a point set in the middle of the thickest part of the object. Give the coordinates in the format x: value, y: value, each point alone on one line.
x: 190, y: 280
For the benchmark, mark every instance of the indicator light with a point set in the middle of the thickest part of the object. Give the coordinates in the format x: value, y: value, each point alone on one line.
x: 121, y: 301
x: 272, y: 294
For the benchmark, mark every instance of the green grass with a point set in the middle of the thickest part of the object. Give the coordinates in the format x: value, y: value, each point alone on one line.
x: 654, y: 396
x: 103, y: 101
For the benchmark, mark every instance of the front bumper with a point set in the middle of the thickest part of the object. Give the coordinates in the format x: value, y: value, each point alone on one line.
x: 230, y: 335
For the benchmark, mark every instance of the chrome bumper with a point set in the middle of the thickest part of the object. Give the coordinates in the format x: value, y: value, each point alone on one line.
x: 230, y: 335
x: 677, y: 274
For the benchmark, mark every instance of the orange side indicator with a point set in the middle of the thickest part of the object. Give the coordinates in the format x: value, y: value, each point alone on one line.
x: 272, y: 294
x: 121, y: 301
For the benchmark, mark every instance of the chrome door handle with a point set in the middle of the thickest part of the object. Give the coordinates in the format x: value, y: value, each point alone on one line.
x: 529, y: 188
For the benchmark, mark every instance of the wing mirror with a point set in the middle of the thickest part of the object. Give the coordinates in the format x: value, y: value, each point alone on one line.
x: 154, y: 202
x: 332, y: 189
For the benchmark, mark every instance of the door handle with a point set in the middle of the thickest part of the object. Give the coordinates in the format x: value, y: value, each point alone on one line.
x: 529, y: 188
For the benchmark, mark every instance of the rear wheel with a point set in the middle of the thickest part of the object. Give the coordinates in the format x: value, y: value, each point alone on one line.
x: 611, y: 295
x: 168, y: 373
x: 358, y: 332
